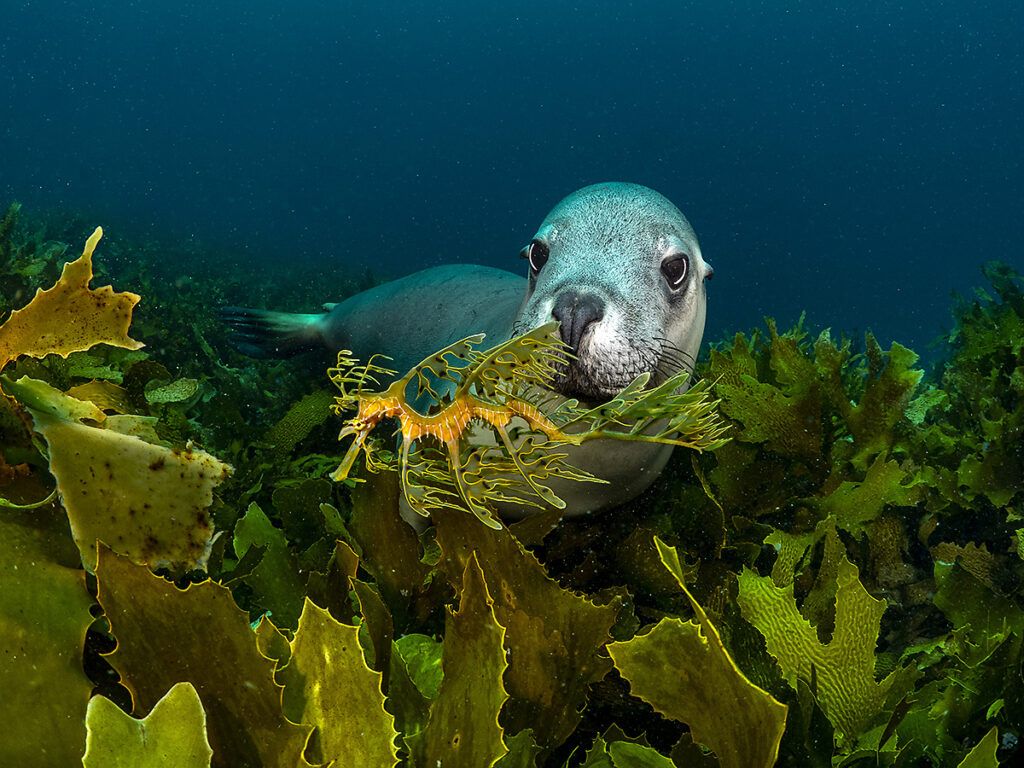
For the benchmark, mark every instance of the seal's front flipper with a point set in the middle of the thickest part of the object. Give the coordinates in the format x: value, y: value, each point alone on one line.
x: 262, y: 333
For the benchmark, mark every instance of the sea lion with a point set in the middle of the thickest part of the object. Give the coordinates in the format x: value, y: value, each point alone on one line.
x: 617, y: 264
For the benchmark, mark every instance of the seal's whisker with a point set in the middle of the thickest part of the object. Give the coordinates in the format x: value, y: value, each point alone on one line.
x: 669, y: 345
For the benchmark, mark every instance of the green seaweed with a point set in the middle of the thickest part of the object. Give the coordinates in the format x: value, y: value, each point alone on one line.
x: 874, y: 508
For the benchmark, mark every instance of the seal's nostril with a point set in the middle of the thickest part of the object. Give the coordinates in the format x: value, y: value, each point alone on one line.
x: 576, y: 313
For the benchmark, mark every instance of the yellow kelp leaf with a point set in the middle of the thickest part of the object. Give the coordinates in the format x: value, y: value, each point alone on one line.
x: 173, y: 735
x: 44, y: 614
x: 166, y: 635
x: 842, y: 672
x: 684, y: 671
x: 69, y: 317
x: 145, y: 501
x: 552, y: 635
x: 106, y: 395
x: 984, y: 753
x: 327, y: 684
x: 474, y: 661
x: 984, y: 618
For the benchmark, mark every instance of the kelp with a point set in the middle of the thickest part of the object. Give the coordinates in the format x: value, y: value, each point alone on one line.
x: 854, y: 554
x: 173, y: 735
x: 69, y: 317
x: 685, y: 672
x: 841, y: 673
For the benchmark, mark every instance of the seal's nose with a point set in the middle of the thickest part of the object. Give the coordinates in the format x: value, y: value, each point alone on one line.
x: 576, y: 313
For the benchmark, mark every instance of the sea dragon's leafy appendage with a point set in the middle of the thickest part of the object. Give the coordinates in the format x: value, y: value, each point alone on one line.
x: 504, y: 390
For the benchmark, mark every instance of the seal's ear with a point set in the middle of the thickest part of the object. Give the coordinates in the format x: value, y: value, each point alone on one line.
x: 710, y: 273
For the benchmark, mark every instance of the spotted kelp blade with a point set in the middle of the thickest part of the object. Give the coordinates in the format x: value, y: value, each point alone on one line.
x: 494, y: 432
x: 149, y: 502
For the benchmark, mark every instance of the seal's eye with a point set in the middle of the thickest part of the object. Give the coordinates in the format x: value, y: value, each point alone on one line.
x: 675, y: 270
x: 538, y: 254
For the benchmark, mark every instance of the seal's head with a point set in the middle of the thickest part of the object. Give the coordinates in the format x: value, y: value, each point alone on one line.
x: 619, y: 266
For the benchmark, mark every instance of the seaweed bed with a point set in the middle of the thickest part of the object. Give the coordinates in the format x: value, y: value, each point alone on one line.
x: 838, y: 584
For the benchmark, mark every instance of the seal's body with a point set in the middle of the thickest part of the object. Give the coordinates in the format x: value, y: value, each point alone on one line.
x: 617, y: 264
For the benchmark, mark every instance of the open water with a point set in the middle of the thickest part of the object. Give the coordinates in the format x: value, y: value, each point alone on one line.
x: 856, y: 160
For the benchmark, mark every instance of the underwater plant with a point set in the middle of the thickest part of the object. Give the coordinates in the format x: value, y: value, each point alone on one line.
x: 506, y: 390
x: 841, y: 584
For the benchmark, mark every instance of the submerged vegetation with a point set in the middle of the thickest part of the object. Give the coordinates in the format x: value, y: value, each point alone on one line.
x: 839, y: 584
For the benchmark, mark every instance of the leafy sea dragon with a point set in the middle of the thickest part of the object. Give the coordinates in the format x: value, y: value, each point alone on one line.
x: 493, y: 433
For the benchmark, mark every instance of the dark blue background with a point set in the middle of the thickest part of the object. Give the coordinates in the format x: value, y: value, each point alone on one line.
x: 859, y: 163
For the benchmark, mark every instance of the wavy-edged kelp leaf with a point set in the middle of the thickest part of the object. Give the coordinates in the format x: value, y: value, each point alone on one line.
x: 890, y: 383
x: 377, y: 630
x: 984, y: 618
x: 173, y: 735
x: 422, y: 657
x: 984, y: 424
x: 145, y: 501
x: 855, y: 504
x: 330, y: 589
x: 299, y: 508
x: 166, y: 635
x: 44, y: 615
x: 105, y: 395
x: 275, y: 579
x: 522, y: 751
x: 553, y: 636
x: 69, y: 317
x: 328, y: 684
x: 983, y: 755
x: 272, y: 642
x: 786, y: 413
x: 992, y: 473
x: 390, y: 551
x: 977, y: 561
x: 684, y: 671
x: 841, y: 673
x: 794, y: 554
x: 624, y: 754
x: 813, y: 409
x: 463, y: 729
x: 404, y: 700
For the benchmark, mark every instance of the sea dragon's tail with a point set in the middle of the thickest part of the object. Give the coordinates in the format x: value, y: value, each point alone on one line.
x: 263, y: 333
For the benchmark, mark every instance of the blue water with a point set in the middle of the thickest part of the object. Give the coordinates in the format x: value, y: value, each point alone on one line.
x: 859, y: 163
